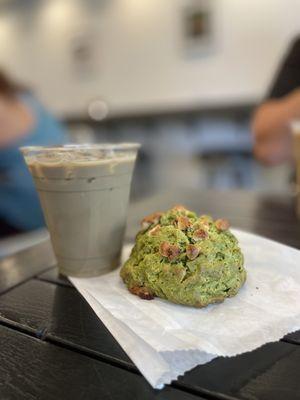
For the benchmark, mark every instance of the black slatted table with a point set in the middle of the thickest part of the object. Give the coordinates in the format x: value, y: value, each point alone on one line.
x: 52, y: 345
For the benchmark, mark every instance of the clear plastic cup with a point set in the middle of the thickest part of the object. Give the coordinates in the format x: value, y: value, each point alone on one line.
x: 84, y: 191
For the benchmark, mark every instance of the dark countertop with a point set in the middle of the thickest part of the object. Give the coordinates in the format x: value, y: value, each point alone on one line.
x: 54, y: 347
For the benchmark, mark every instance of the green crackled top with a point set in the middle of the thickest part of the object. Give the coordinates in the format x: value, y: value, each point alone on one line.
x: 185, y: 259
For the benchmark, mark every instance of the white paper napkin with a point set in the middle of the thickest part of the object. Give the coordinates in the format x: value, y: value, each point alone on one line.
x: 164, y: 340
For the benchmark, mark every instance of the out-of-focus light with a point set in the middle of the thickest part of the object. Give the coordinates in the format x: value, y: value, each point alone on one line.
x: 98, y: 110
x: 5, y: 29
x: 59, y: 11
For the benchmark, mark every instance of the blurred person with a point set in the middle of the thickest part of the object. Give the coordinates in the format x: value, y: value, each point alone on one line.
x: 271, y: 121
x: 23, y: 122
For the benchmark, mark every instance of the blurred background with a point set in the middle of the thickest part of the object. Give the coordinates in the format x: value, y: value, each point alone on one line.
x: 181, y: 77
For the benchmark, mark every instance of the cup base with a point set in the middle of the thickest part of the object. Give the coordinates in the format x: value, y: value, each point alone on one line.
x: 87, y: 268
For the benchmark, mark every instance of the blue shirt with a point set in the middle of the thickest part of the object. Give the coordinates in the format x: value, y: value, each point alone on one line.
x: 19, y: 203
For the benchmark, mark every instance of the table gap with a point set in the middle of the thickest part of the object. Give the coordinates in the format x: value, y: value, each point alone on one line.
x: 52, y: 282
x: 205, y: 393
x: 18, y: 327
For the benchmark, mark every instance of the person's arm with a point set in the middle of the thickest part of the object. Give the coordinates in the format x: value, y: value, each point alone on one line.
x: 270, y: 125
x: 272, y: 138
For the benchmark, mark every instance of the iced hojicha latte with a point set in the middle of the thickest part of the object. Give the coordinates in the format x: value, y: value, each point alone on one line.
x: 84, y: 192
x: 185, y: 259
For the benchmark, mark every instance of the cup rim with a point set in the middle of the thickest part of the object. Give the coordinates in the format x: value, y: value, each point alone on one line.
x: 127, y: 146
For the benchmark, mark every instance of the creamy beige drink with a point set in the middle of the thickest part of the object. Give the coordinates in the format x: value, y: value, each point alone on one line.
x: 84, y: 193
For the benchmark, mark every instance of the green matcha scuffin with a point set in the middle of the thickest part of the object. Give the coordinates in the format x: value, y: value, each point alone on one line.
x: 185, y: 259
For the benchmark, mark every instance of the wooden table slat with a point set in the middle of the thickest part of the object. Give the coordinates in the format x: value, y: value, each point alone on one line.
x: 33, y: 369
x: 64, y: 317
x: 25, y: 264
x: 59, y: 312
x: 268, y: 373
x: 53, y: 276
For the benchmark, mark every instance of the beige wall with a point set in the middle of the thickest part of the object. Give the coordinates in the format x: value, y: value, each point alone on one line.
x: 139, y: 57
